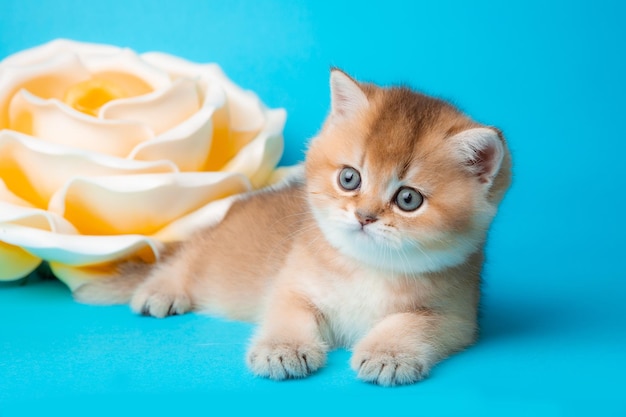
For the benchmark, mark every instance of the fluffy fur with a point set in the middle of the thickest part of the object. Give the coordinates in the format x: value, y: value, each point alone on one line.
x: 320, y: 265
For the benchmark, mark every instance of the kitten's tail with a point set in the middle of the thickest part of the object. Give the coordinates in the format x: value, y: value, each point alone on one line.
x: 119, y: 288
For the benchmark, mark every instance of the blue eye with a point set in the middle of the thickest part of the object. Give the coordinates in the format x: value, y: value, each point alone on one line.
x: 408, y: 199
x: 349, y: 179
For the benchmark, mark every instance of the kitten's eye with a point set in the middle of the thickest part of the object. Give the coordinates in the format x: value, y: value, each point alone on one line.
x: 349, y: 179
x: 408, y: 199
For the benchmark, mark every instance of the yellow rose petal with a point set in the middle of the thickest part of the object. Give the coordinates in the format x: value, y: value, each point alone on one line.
x: 49, y: 79
x: 85, y: 170
x: 32, y: 170
x: 42, y: 54
x: 258, y: 159
x: 33, y: 218
x: 90, y: 95
x: 128, y: 70
x: 161, y: 110
x: 245, y: 109
x: 8, y: 196
x: 194, y: 134
x: 236, y: 124
x: 226, y: 142
x: 29, y: 235
x: 52, y: 121
x: 140, y: 204
x: 131, y: 84
x: 16, y: 262
x: 76, y: 250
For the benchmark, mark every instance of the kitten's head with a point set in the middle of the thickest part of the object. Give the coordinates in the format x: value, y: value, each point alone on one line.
x: 401, y: 181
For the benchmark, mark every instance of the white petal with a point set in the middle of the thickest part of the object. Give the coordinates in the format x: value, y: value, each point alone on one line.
x: 181, y: 68
x: 88, y: 193
x: 258, y: 159
x: 46, y: 79
x: 32, y: 170
x: 52, y: 121
x: 75, y: 250
x: 34, y: 218
x: 244, y: 107
x: 139, y: 204
x: 29, y: 235
x: 187, y: 145
x: 243, y: 114
x: 42, y: 53
x: 16, y: 262
x: 95, y: 58
x: 9, y: 196
x: 126, y: 61
x: 160, y: 110
x: 194, y: 133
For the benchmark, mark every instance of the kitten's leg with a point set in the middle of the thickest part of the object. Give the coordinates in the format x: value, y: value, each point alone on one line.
x: 165, y: 292
x: 289, y: 343
x: 402, y: 348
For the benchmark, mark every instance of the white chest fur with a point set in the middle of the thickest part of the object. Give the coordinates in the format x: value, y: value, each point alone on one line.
x: 352, y: 305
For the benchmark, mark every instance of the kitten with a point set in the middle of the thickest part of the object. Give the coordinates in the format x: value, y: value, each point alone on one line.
x: 377, y: 247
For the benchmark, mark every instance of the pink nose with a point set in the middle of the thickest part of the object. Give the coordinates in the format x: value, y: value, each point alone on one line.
x: 365, y: 218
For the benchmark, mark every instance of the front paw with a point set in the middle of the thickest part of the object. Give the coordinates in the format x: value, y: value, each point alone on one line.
x: 389, y: 366
x: 285, y: 360
x: 159, y: 302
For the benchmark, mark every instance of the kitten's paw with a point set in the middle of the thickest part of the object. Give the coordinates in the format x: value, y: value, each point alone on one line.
x: 390, y: 367
x: 276, y: 360
x: 158, y: 303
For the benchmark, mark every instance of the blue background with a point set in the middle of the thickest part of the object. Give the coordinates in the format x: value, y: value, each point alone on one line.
x: 551, y: 75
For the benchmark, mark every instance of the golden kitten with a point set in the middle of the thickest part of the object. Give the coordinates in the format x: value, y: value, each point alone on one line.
x: 376, y: 247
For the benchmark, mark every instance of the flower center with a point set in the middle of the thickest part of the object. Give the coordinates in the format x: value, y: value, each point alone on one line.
x: 89, y: 96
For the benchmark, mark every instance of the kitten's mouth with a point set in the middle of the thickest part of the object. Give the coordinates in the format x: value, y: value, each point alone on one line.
x: 365, y: 232
x: 358, y: 232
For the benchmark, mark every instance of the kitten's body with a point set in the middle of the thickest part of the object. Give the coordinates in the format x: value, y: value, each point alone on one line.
x: 320, y: 265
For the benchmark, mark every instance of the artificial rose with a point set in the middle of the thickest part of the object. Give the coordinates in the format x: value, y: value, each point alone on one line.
x: 105, y: 153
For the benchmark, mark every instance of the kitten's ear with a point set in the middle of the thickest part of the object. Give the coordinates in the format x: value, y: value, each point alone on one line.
x: 347, y: 97
x: 481, y: 151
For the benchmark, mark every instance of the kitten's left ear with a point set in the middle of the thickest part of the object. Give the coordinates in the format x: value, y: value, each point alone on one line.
x: 347, y: 97
x: 481, y: 151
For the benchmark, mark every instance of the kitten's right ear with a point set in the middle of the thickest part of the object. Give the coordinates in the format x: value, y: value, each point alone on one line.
x: 481, y: 151
x: 347, y: 97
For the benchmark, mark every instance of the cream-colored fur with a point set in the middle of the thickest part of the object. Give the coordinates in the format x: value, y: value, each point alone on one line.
x: 319, y: 266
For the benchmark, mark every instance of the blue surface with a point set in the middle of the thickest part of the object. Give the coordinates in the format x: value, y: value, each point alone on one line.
x: 549, y: 74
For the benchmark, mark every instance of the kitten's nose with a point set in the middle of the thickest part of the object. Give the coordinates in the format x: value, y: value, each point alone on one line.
x: 365, y: 218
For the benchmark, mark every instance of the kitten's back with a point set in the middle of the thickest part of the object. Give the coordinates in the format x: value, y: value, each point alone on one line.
x: 230, y: 265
